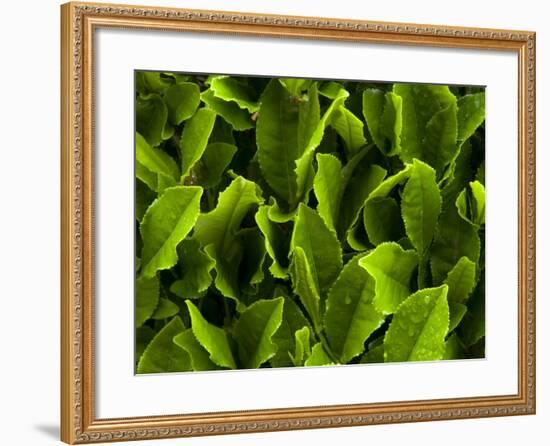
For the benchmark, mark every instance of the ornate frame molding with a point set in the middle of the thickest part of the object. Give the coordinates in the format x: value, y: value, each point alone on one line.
x: 78, y: 425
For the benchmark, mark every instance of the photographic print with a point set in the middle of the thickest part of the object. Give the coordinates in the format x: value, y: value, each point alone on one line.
x: 283, y: 222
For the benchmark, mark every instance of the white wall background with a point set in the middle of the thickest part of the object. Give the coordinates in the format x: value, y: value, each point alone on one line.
x: 29, y: 219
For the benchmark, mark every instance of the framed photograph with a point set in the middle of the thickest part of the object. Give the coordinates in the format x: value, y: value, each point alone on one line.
x: 276, y: 223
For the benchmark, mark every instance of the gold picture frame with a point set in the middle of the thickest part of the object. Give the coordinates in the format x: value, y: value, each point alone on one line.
x: 78, y: 24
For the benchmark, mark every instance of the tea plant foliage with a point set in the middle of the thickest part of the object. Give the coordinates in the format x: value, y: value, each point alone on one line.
x: 294, y: 222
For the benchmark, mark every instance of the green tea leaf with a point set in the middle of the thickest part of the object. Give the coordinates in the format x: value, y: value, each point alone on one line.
x: 304, y: 167
x: 350, y: 129
x: 303, y: 346
x: 421, y: 205
x: 233, y: 90
x: 229, y: 111
x: 215, y: 159
x: 392, y: 269
x: 182, y: 100
x: 305, y: 286
x: 350, y: 317
x: 454, y: 348
x: 471, y: 114
x: 195, y: 138
x: 151, y: 118
x: 217, y: 232
x: 199, y: 357
x: 283, y: 124
x: 144, y: 335
x: 471, y: 203
x: 165, y: 224
x: 213, y: 339
x: 254, y: 331
x: 293, y: 320
x: 151, y: 82
x: 320, y: 245
x: 429, y: 126
x: 154, y: 162
x: 147, y: 298
x: 162, y: 355
x: 461, y: 280
x: 196, y: 267
x: 382, y: 220
x: 277, y: 243
x: 455, y: 238
x: 418, y: 328
x: 383, y: 114
x: 165, y: 309
x: 295, y: 86
x: 318, y: 357
x: 456, y: 314
x: 328, y: 187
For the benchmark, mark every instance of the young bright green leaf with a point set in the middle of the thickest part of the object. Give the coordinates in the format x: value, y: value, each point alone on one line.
x: 293, y: 320
x: 282, y: 123
x: 229, y: 111
x: 373, y: 108
x: 162, y: 355
x: 254, y: 331
x: 165, y: 309
x: 456, y: 314
x: 318, y: 357
x: 392, y: 269
x: 196, y: 267
x: 151, y: 82
x: 320, y: 246
x: 151, y: 118
x: 147, y: 298
x: 461, y: 280
x: 420, y: 206
x: 304, y: 167
x: 182, y: 100
x: 199, y: 357
x: 195, y: 138
x: 165, y: 224
x: 471, y: 114
x: 424, y: 135
x: 350, y: 316
x: 328, y: 187
x: 471, y: 203
x: 382, y: 220
x: 303, y: 346
x: 418, y: 328
x: 383, y: 114
x: 209, y: 169
x: 384, y: 188
x: 455, y: 238
x: 305, y: 285
x: 213, y: 339
x: 350, y: 129
x: 233, y: 90
x: 277, y: 243
x: 217, y: 232
x: 359, y: 184
x: 295, y: 86
x: 155, y: 161
x: 440, y: 139
x: 392, y: 122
